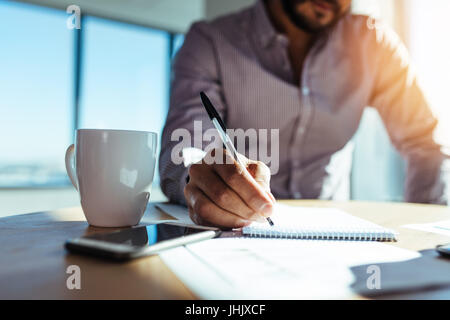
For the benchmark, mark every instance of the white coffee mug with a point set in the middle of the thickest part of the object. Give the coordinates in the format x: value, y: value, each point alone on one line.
x: 113, y: 172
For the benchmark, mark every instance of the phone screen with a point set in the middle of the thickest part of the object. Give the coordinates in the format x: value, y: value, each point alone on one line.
x: 145, y: 235
x: 444, y: 250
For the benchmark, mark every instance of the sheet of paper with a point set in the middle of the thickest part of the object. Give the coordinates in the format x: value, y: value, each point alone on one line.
x: 287, y: 217
x: 440, y: 227
x: 178, y: 212
x: 243, y: 268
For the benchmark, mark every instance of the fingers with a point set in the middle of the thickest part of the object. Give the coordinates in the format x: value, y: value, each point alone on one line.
x: 224, y: 193
x: 261, y: 173
x: 252, y: 192
x: 203, y: 211
x: 205, y: 179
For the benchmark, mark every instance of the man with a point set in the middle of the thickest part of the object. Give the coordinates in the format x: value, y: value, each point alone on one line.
x: 307, y: 68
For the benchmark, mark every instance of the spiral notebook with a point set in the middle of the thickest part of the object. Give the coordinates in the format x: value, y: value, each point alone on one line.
x: 318, y: 223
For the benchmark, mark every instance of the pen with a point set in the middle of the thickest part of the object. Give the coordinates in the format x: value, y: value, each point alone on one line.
x: 220, y: 126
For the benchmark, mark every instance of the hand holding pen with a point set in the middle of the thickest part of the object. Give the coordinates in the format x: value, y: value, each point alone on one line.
x: 230, y: 193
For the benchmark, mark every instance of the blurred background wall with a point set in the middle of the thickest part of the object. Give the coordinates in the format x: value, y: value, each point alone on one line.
x: 114, y: 72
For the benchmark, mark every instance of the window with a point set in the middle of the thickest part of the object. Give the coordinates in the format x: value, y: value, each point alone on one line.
x: 125, y: 76
x: 124, y: 81
x: 177, y: 43
x: 378, y: 172
x: 35, y: 103
x: 430, y: 50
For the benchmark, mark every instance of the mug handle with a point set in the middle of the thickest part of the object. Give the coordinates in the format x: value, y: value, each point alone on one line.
x: 70, y: 165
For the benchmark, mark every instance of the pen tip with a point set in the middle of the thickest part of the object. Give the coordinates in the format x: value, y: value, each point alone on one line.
x: 270, y: 222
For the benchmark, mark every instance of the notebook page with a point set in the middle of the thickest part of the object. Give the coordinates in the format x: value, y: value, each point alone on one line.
x: 439, y: 227
x: 290, y: 219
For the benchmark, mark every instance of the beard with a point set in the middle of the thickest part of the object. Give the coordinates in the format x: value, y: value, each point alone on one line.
x: 307, y: 24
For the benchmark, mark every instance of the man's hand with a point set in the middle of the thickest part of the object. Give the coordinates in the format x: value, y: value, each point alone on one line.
x: 224, y: 196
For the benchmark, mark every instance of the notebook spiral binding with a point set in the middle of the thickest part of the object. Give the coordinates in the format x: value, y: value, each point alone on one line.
x: 313, y: 234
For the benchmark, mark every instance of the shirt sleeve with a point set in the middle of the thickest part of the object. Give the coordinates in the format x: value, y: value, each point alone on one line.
x: 408, y: 119
x: 195, y: 69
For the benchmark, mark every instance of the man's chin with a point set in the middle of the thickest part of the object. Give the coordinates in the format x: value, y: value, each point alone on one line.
x: 312, y: 26
x: 321, y: 26
x: 307, y: 24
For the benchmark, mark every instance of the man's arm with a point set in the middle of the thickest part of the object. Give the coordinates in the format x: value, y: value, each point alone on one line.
x: 218, y: 193
x: 408, y: 120
x: 194, y: 70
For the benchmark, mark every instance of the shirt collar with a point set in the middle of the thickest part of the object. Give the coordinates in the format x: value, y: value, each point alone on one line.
x: 265, y: 31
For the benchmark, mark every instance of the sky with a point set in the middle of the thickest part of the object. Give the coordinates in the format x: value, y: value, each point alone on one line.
x: 35, y: 83
x: 125, y: 81
x: 430, y: 51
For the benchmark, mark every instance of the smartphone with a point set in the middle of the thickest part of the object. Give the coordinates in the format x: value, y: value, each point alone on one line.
x: 139, y: 241
x: 444, y: 250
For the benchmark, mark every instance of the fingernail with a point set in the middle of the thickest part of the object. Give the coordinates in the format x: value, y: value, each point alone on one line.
x: 266, y: 210
x: 259, y: 218
x: 272, y: 196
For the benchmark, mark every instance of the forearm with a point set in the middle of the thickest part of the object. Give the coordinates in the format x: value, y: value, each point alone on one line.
x: 177, y: 140
x: 194, y: 70
x: 181, y: 145
x: 173, y: 177
x: 428, y: 178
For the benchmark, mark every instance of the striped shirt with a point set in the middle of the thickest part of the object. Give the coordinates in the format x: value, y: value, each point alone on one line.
x: 242, y: 64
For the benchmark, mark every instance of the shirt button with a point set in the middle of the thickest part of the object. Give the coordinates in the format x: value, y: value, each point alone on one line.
x: 297, y: 195
x: 305, y: 91
x: 301, y: 130
x: 282, y: 39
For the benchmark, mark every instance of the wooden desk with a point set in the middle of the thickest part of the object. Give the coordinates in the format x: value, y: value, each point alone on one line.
x: 33, y: 261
